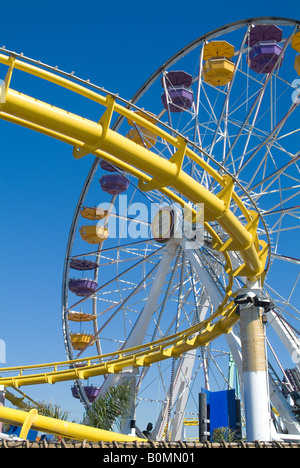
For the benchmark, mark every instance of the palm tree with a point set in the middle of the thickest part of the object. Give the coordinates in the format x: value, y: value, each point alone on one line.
x: 110, y: 408
x: 223, y: 434
x: 26, y: 403
x: 51, y: 410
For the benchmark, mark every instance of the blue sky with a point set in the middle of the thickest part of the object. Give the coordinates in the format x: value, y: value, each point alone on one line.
x: 117, y: 45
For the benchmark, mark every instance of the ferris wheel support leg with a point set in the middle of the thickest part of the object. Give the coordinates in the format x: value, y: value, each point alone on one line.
x: 255, y: 369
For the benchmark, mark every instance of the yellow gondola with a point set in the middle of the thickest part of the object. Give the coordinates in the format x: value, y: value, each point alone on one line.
x: 296, y: 41
x: 81, y: 340
x: 218, y: 49
x: 93, y: 213
x: 94, y: 234
x: 141, y: 135
x: 218, y: 71
x: 80, y: 316
x: 297, y: 64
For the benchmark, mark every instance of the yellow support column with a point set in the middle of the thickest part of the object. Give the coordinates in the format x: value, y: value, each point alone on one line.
x: 29, y: 420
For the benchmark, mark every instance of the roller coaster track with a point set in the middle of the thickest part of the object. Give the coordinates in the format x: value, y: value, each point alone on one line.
x: 153, y: 172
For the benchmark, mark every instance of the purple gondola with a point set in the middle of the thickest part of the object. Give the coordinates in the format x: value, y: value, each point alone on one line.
x: 264, y: 56
x: 177, y: 78
x: 114, y: 183
x: 264, y: 32
x: 82, y: 287
x: 91, y: 392
x: 180, y: 96
x: 106, y: 166
x: 83, y: 264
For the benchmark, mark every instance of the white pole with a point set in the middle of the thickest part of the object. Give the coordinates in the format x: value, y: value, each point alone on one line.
x: 255, y: 370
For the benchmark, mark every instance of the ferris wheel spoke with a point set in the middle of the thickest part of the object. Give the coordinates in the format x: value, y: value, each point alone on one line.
x: 117, y: 277
x: 257, y: 103
x: 224, y: 110
x: 286, y: 258
x: 281, y: 202
x: 168, y: 292
x: 269, y: 140
x: 120, y: 308
x: 276, y: 173
x: 138, y: 332
x: 114, y: 247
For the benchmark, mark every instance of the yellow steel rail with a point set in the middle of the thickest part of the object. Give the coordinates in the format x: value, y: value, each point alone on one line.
x: 144, y: 355
x: 32, y: 420
x: 153, y: 172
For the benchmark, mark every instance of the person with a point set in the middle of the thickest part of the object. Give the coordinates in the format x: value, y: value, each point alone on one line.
x: 147, y: 432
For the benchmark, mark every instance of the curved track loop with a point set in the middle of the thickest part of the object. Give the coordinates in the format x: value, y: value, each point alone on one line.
x: 98, y: 138
x: 174, y: 346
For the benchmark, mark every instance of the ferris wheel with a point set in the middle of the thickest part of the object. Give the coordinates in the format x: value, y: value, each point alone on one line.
x: 144, y: 262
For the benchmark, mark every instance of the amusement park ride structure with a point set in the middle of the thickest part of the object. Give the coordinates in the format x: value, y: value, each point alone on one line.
x: 227, y: 158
